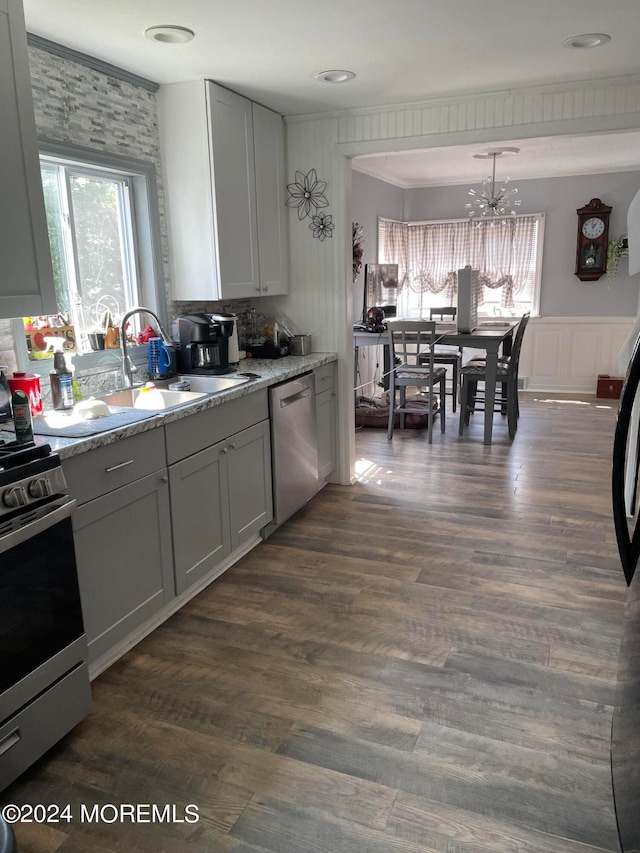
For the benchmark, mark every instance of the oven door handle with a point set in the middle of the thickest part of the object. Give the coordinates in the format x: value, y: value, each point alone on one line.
x: 62, y: 509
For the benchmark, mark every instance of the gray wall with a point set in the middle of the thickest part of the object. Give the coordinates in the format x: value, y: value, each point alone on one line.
x: 371, y: 198
x: 562, y: 293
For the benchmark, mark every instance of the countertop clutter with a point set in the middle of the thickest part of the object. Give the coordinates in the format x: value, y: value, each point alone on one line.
x: 270, y: 372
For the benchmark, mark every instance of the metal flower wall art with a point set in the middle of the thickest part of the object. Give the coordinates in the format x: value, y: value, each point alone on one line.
x: 358, y: 248
x: 322, y: 225
x: 307, y: 194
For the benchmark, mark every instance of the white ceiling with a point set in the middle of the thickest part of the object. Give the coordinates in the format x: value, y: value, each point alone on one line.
x: 400, y: 50
x: 538, y: 158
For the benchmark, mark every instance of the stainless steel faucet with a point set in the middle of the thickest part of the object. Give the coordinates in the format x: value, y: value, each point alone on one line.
x: 128, y: 367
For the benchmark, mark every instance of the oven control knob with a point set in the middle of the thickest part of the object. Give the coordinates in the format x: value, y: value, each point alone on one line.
x: 15, y: 496
x: 40, y: 487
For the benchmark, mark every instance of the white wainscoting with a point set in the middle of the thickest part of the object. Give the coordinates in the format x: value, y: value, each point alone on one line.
x: 558, y: 354
x: 567, y: 353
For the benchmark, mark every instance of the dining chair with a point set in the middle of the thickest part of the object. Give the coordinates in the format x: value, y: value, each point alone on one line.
x: 503, y: 359
x: 506, y: 401
x: 413, y: 366
x: 445, y: 354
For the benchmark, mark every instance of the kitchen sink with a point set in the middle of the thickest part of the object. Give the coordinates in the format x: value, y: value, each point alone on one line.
x: 157, y: 399
x: 207, y: 384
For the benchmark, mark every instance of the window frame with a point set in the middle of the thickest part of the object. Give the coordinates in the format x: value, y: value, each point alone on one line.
x: 145, y: 224
x: 537, y: 283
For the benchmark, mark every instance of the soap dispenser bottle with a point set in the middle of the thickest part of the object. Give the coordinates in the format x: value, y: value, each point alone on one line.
x: 61, y: 380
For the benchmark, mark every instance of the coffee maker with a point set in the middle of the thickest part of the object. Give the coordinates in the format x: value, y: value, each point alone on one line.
x: 203, y: 341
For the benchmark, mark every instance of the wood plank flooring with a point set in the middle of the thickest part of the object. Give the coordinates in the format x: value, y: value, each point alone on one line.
x: 422, y: 663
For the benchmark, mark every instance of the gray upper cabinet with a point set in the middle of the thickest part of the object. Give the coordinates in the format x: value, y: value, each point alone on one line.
x: 234, y: 190
x: 224, y: 180
x: 26, y: 276
x: 268, y: 134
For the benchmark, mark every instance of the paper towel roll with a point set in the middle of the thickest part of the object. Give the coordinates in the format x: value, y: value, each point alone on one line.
x: 234, y: 352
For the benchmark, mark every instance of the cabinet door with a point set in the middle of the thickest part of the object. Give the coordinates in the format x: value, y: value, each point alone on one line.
x: 248, y: 456
x: 326, y: 417
x: 268, y: 136
x: 184, y: 123
x: 231, y: 142
x: 123, y: 551
x: 199, y: 515
x: 26, y: 276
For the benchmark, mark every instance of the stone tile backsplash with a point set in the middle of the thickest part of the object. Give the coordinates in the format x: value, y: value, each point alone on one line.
x: 79, y: 105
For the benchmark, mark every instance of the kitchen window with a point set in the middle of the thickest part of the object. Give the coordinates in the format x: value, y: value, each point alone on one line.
x: 104, y: 235
x: 92, y: 242
x: 508, y: 254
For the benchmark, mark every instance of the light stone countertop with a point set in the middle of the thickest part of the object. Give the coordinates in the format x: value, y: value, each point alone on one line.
x: 272, y: 371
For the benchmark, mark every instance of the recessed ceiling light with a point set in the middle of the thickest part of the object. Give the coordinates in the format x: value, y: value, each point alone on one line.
x: 334, y: 76
x: 586, y: 40
x: 169, y: 34
x: 498, y: 152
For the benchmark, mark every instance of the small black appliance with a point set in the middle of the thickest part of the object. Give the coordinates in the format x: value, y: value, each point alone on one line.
x: 203, y: 343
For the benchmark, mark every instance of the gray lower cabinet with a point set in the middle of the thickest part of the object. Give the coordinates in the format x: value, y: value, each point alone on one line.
x: 201, y: 538
x: 122, y: 534
x: 123, y: 551
x: 249, y: 482
x: 220, y: 499
x: 326, y: 419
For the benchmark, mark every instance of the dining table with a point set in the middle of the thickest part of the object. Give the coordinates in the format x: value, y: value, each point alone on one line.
x: 489, y: 336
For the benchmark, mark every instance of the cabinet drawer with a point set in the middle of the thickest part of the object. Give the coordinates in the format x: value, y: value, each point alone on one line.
x: 41, y: 724
x: 107, y: 468
x: 195, y: 433
x: 325, y: 377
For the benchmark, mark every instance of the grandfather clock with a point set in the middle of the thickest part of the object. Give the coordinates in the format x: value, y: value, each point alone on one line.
x: 593, y: 233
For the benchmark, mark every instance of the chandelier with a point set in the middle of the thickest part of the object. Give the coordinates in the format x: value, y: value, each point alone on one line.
x: 493, y: 201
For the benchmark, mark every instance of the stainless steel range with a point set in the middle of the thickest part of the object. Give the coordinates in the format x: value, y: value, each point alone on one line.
x: 44, y: 680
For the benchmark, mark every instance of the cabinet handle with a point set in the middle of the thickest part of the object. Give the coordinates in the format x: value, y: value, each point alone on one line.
x: 223, y: 450
x: 232, y: 446
x: 325, y: 378
x: 265, y: 289
x: 257, y: 290
x: 10, y: 740
x: 164, y: 479
x: 120, y: 465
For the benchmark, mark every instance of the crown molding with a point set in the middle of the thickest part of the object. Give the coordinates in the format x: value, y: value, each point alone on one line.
x: 558, y: 87
x: 91, y: 62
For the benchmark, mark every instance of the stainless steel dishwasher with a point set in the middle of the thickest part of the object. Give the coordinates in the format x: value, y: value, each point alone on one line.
x: 294, y: 445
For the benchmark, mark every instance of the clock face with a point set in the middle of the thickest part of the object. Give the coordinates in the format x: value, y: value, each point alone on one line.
x: 593, y: 227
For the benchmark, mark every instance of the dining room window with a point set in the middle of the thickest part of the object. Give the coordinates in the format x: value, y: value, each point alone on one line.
x: 507, y: 253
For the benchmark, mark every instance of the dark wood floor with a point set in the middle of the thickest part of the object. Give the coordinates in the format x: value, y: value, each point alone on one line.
x: 423, y: 662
